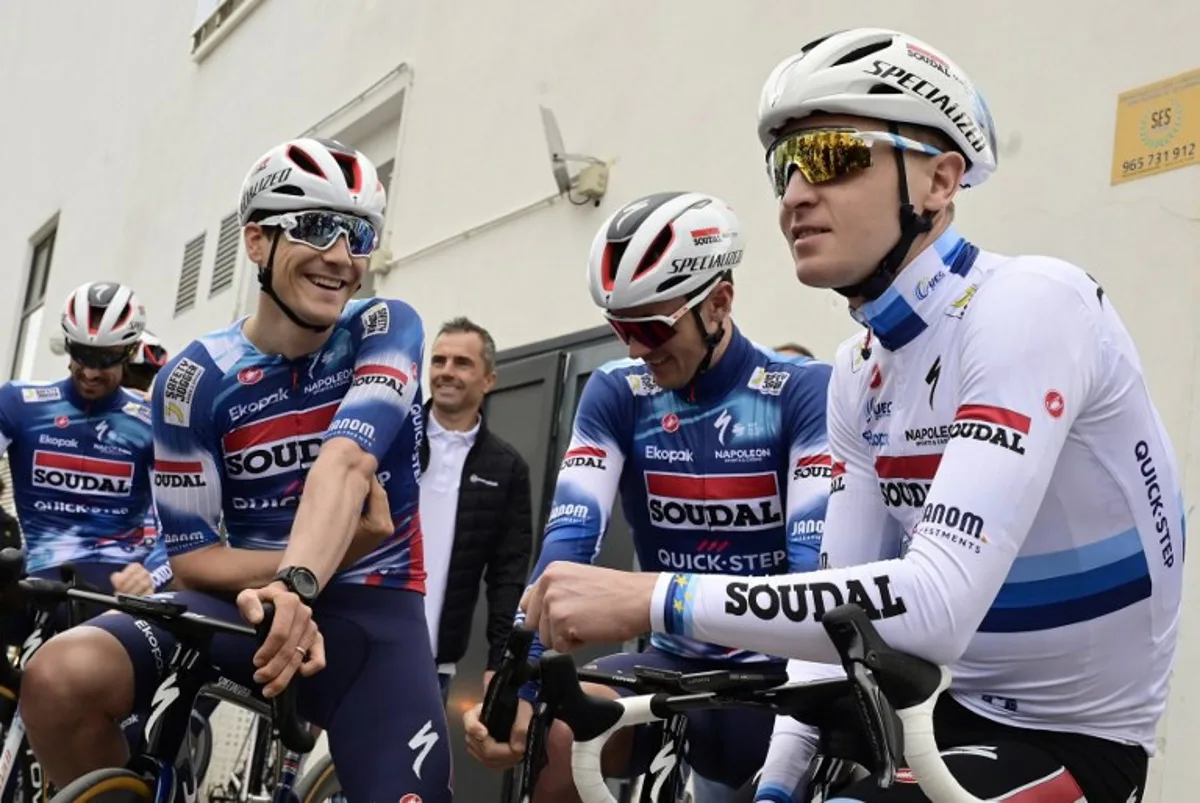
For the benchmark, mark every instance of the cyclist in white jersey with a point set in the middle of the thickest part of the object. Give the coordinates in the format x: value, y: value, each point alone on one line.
x: 1005, y: 499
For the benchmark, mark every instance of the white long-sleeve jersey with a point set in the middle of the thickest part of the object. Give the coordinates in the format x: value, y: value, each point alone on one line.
x: 1005, y: 501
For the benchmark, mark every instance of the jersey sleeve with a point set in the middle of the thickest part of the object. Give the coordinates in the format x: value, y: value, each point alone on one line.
x: 387, y: 376
x: 187, y: 459
x: 858, y: 527
x: 808, y: 459
x: 1031, y: 355
x: 587, y: 478
x: 586, y: 487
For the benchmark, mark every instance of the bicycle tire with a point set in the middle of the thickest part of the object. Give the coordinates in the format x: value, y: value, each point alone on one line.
x: 110, y: 785
x: 200, y: 745
x: 319, y: 782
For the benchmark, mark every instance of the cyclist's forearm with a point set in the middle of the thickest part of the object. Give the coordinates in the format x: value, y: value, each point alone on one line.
x: 222, y: 568
x: 330, y: 508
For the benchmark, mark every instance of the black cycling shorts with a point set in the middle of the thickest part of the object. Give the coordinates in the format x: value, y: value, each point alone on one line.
x: 1019, y: 765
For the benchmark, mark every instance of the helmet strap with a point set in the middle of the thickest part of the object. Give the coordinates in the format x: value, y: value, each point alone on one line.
x: 266, y: 284
x: 912, y: 226
x: 711, y: 341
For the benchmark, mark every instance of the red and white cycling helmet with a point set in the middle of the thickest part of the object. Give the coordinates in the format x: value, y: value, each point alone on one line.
x: 885, y: 75
x: 103, y: 314
x: 150, y: 353
x: 303, y: 174
x: 662, y: 246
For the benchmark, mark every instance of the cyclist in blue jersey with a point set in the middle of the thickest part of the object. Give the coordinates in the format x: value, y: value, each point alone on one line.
x: 80, y: 451
x: 277, y: 427
x: 717, y: 447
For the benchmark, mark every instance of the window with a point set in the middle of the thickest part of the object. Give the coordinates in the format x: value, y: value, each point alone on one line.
x: 214, y: 20
x: 189, y: 275
x: 228, y: 240
x: 35, y: 302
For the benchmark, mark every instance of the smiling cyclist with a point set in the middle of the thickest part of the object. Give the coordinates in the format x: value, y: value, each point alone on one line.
x: 1005, y: 498
x: 278, y: 426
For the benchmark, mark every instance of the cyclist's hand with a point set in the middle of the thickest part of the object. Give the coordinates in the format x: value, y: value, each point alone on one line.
x: 133, y: 579
x: 375, y: 526
x: 294, y: 643
x: 561, y: 605
x: 486, y: 750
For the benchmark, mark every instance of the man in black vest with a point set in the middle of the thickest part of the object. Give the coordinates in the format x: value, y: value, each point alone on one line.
x: 475, y: 502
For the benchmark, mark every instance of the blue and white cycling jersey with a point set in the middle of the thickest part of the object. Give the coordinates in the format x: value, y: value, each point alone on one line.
x: 236, y: 432
x: 730, y: 475
x: 80, y: 473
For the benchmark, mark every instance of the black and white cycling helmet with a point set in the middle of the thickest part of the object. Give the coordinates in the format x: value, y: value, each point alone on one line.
x: 103, y: 314
x: 886, y: 75
x: 303, y: 174
x: 662, y: 246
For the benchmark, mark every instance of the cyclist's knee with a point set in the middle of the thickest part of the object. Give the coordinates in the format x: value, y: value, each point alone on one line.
x: 79, y: 673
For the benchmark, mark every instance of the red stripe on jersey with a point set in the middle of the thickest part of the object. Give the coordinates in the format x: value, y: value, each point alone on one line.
x: 993, y: 415
x: 815, y: 460
x: 718, y: 487
x: 586, y: 451
x: 1057, y: 788
x: 381, y: 370
x: 280, y: 427
x: 909, y: 467
x: 86, y: 465
x: 177, y: 467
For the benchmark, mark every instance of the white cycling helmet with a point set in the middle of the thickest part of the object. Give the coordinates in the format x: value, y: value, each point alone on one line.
x: 662, y: 246
x: 886, y: 75
x: 150, y: 352
x: 304, y: 174
x: 103, y: 314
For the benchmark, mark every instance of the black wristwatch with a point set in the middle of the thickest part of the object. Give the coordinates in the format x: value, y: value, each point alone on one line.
x: 301, y: 582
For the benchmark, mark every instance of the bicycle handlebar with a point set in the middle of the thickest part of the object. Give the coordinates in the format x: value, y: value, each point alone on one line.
x: 880, y: 679
x: 173, y: 617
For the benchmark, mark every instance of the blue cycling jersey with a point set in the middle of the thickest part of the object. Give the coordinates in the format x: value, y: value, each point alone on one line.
x: 730, y: 475
x: 80, y: 473
x: 236, y: 432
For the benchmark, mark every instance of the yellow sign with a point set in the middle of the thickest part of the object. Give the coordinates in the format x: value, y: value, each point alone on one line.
x: 1158, y: 128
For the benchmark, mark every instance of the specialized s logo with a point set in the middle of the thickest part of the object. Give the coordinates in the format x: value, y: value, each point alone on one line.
x: 931, y: 378
x: 721, y: 424
x: 586, y: 457
x: 995, y: 425
x: 277, y: 445
x: 91, y: 475
x: 422, y: 742
x: 724, y: 502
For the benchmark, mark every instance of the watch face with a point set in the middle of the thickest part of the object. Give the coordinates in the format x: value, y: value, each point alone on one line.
x: 304, y: 583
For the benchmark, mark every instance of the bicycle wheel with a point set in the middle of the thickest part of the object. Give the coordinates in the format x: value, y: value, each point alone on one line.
x: 319, y: 783
x: 110, y: 785
x: 200, y: 742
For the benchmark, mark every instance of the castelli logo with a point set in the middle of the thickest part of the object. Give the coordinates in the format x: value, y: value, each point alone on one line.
x: 1055, y: 404
x: 62, y: 422
x: 248, y: 376
x: 670, y: 422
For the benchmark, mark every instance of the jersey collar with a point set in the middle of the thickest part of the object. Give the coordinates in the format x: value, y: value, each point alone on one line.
x: 90, y: 405
x: 920, y: 292
x: 719, y: 380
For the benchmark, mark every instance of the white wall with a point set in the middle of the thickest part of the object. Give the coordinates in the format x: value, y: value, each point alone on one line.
x: 139, y: 148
